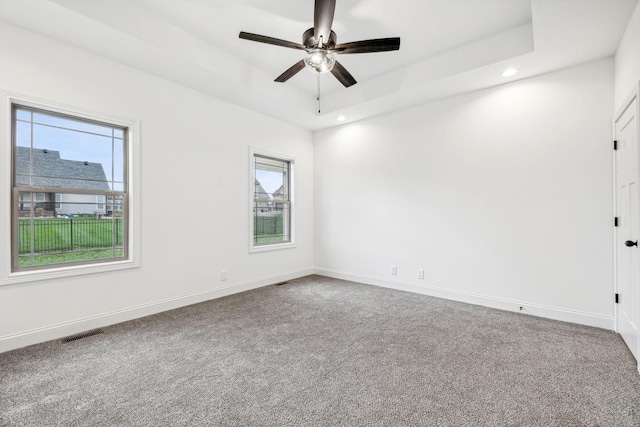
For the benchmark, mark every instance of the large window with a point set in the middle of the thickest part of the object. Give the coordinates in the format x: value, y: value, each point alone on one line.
x: 69, y: 190
x: 271, y: 201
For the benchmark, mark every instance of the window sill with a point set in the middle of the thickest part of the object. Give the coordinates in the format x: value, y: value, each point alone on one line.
x: 274, y: 247
x: 62, y: 272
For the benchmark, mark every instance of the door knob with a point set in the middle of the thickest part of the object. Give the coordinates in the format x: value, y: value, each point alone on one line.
x: 629, y: 243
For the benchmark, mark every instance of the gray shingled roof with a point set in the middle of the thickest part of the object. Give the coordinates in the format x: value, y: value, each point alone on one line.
x: 50, y: 170
x: 278, y: 193
x: 259, y: 191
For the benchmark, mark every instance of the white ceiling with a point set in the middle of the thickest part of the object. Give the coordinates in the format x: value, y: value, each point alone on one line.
x: 447, y: 46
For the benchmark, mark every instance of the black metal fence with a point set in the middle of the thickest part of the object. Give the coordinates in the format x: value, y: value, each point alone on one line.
x: 269, y: 225
x: 68, y: 234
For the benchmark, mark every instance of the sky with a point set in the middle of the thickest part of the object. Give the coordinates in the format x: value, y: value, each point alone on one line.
x: 75, y: 140
x: 269, y: 180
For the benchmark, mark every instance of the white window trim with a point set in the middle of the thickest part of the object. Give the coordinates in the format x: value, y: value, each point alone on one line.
x: 7, y: 277
x: 276, y: 246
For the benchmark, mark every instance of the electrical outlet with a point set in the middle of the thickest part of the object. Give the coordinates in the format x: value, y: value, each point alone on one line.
x: 420, y: 273
x: 394, y: 270
x: 223, y: 275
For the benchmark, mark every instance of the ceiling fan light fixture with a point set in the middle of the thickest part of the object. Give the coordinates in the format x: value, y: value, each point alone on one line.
x: 320, y: 61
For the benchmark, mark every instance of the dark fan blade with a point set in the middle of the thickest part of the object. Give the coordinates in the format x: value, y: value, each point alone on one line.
x: 323, y: 19
x: 368, y: 46
x: 343, y: 75
x: 270, y: 40
x: 290, y: 72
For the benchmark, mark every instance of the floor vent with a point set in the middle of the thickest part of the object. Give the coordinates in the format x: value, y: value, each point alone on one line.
x: 82, y: 335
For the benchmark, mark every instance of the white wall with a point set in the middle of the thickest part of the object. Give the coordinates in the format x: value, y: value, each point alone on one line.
x: 195, y: 171
x: 627, y: 61
x: 503, y: 196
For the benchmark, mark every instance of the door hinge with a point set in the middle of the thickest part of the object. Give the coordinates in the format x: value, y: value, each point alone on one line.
x: 615, y: 145
x: 615, y: 221
x: 617, y: 298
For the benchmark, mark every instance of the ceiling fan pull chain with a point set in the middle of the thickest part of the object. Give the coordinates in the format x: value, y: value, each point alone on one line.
x: 318, y: 93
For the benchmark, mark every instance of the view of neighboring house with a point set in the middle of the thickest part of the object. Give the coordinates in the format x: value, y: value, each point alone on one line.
x: 49, y: 170
x: 272, y: 204
x: 260, y: 193
x: 278, y: 195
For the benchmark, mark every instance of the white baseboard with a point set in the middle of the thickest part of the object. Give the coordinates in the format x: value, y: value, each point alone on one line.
x: 35, y: 336
x: 556, y: 313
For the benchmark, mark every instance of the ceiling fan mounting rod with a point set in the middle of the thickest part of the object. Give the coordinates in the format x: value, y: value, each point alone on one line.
x: 309, y: 40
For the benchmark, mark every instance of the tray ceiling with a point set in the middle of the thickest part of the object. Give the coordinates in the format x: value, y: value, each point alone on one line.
x: 448, y: 47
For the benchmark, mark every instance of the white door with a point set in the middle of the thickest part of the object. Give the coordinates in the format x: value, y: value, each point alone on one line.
x: 628, y: 230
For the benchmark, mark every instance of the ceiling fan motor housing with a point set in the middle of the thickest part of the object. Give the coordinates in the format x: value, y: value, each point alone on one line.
x: 309, y: 41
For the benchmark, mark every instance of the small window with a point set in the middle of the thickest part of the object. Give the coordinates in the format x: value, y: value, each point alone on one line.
x: 271, y: 202
x: 65, y: 168
x: 100, y: 201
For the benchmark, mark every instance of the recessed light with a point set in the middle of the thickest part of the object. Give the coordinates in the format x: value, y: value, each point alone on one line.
x: 341, y: 118
x: 509, y: 72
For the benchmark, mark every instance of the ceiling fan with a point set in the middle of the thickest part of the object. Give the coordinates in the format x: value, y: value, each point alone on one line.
x: 320, y: 44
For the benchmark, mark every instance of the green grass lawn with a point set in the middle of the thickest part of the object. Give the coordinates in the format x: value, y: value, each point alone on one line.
x: 269, y: 239
x: 61, y: 258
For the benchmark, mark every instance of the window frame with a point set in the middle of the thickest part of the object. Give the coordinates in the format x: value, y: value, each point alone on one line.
x: 132, y: 176
x: 253, y: 248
